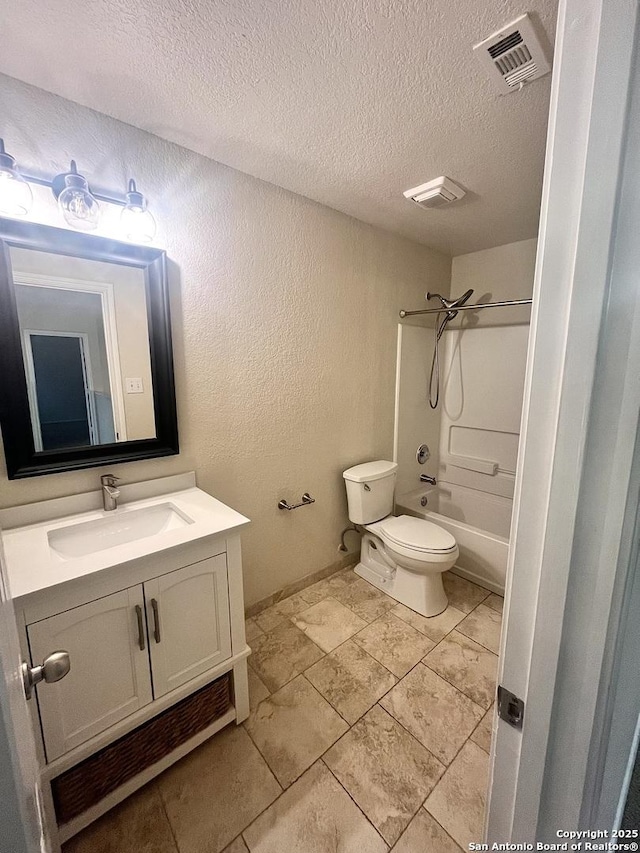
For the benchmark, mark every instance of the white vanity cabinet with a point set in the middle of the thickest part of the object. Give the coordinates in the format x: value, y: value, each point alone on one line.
x: 109, y: 677
x: 153, y: 624
x: 188, y: 620
x: 129, y: 648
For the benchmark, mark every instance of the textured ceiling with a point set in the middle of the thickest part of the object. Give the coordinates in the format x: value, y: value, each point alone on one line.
x: 348, y: 102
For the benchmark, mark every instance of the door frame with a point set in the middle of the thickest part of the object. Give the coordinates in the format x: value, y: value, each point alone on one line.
x: 105, y: 290
x: 553, y: 644
x: 20, y: 792
x: 87, y: 378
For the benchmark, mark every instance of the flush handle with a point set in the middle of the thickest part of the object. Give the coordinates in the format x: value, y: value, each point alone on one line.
x: 53, y: 668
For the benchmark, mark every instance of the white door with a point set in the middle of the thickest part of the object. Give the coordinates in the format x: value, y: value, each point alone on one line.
x: 188, y: 617
x: 109, y: 678
x: 582, y: 401
x: 19, y: 789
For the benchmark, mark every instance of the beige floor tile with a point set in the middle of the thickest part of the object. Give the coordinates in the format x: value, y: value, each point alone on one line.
x: 458, y: 800
x: 394, y: 643
x: 237, y: 846
x: 328, y: 623
x: 365, y: 600
x: 216, y: 791
x: 329, y: 586
x: 138, y: 825
x: 315, y: 815
x: 437, y: 714
x: 386, y: 771
x: 467, y: 665
x: 351, y: 680
x: 495, y: 602
x: 281, y: 654
x: 293, y: 727
x: 483, y: 625
x: 257, y: 689
x: 252, y: 629
x: 425, y: 835
x: 462, y: 594
x: 482, y: 734
x: 434, y: 627
x: 278, y: 613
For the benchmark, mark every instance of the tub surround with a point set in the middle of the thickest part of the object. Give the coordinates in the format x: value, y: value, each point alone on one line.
x: 483, y: 362
x: 474, y: 433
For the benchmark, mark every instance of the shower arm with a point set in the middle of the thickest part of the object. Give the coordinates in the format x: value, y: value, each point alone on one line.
x: 444, y: 310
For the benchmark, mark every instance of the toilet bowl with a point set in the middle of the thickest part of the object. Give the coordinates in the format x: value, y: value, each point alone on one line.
x: 401, y: 555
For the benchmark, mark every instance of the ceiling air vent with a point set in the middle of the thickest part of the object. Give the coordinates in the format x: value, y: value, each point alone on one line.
x: 514, y: 55
x: 435, y: 193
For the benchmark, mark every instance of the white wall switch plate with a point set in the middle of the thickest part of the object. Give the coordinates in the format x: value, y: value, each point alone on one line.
x: 134, y: 386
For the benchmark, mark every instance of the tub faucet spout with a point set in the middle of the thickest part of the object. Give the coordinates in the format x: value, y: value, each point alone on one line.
x: 425, y: 478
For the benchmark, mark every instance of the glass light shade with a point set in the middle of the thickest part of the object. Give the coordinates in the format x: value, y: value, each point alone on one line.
x: 79, y: 208
x: 16, y: 197
x: 138, y: 225
x: 15, y: 193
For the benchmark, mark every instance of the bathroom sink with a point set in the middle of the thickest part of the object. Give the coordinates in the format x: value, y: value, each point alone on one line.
x: 119, y: 528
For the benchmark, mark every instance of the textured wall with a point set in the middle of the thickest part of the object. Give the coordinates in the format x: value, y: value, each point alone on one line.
x: 284, y: 316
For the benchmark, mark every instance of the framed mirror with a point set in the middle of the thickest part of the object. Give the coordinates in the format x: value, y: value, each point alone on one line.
x: 86, y: 364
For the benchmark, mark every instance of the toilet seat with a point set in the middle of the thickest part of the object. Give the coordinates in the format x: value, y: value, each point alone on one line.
x: 415, y: 535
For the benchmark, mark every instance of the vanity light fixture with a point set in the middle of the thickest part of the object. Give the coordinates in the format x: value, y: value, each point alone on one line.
x: 138, y: 224
x: 79, y: 208
x: 77, y: 202
x: 15, y: 193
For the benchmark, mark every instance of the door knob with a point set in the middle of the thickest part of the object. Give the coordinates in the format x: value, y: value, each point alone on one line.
x: 54, y: 667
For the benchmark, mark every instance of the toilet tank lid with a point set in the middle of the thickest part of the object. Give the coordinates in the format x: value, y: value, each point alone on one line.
x: 370, y: 471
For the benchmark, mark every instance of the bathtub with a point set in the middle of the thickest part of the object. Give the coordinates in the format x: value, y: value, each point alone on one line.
x: 483, y: 554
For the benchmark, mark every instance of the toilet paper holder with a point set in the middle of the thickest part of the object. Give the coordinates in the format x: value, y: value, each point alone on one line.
x: 306, y: 499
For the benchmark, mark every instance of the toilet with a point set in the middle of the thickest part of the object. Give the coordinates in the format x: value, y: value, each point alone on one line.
x: 401, y: 555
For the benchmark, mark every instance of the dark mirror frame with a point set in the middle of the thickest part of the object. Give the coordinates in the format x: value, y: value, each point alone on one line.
x: 22, y: 458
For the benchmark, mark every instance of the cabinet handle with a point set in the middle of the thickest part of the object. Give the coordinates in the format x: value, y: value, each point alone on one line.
x: 140, y: 627
x: 156, y: 620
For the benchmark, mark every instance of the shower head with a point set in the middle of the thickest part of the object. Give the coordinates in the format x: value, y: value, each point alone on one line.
x: 451, y: 304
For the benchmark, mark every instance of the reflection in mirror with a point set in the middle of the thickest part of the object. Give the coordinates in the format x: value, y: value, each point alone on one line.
x: 84, y: 332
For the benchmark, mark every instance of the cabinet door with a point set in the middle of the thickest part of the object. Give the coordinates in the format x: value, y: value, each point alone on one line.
x: 109, y: 677
x: 188, y: 616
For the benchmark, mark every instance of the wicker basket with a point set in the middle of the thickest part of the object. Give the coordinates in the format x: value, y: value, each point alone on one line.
x: 89, y: 782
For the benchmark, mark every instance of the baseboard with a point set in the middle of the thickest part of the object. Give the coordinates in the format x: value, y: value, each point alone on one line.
x: 303, y: 583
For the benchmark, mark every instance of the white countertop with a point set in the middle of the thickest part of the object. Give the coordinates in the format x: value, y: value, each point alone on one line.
x: 32, y: 565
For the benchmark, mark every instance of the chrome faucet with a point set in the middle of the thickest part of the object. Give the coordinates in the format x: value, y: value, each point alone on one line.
x: 425, y: 478
x: 110, y: 493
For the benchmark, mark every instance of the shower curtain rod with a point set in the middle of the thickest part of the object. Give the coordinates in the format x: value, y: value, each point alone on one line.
x: 468, y: 307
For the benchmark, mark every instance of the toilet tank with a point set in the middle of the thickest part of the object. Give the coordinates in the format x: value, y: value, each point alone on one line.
x: 370, y: 489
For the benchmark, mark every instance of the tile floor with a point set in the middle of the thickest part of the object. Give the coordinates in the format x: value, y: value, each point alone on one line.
x: 369, y: 731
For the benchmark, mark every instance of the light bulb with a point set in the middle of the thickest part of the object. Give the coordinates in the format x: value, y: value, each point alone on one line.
x: 15, y: 193
x: 138, y: 225
x: 79, y: 208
